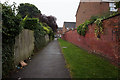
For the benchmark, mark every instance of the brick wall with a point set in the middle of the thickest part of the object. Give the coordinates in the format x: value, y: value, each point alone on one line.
x: 88, y: 9
x: 107, y: 45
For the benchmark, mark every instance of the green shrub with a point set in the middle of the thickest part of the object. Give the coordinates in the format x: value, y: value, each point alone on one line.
x: 31, y: 23
x: 39, y: 36
x: 48, y: 30
x: 40, y: 30
x: 10, y: 29
x: 10, y: 22
x: 12, y: 26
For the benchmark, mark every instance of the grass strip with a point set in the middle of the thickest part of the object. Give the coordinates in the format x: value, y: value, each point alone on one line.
x: 85, y: 65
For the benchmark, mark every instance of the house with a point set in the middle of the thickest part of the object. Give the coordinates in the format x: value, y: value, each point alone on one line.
x: 68, y: 25
x: 59, y: 31
x: 87, y: 9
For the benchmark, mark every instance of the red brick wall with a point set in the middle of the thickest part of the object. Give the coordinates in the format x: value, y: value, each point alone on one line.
x: 107, y: 45
x: 88, y: 9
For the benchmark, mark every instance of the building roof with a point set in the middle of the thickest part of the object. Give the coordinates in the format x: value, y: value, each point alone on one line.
x: 70, y: 24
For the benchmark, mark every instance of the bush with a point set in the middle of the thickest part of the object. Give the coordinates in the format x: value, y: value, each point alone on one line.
x: 10, y: 22
x: 10, y: 29
x: 48, y: 30
x: 12, y: 26
x: 40, y: 30
x: 30, y: 23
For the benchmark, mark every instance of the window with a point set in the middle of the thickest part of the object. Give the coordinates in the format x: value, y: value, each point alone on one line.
x: 112, y: 7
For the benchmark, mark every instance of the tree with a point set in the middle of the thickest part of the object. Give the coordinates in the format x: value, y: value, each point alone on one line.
x: 28, y: 9
x: 32, y: 11
x: 50, y: 21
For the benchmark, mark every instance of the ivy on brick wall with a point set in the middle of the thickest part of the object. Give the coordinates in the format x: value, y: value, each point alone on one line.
x: 98, y: 27
x: 82, y: 28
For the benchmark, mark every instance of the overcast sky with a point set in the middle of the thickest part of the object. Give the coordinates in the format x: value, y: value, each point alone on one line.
x: 63, y: 10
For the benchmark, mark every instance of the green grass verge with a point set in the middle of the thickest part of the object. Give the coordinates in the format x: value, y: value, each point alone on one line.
x: 85, y: 65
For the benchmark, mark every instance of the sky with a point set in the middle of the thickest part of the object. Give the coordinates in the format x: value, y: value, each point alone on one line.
x: 63, y: 10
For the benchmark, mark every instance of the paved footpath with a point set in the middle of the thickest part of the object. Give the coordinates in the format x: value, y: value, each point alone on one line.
x: 48, y: 63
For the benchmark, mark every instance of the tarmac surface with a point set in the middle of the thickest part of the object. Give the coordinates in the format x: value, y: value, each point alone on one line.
x: 48, y: 63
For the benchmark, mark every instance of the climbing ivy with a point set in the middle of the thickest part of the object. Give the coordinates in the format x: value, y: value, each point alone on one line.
x: 98, y: 27
x: 82, y: 28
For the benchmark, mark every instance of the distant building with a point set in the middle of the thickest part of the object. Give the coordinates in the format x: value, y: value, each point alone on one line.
x: 68, y: 25
x: 59, y: 31
x: 87, y: 9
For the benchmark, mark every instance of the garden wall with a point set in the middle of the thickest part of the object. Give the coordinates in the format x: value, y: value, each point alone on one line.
x: 24, y: 45
x: 27, y: 42
x: 107, y: 45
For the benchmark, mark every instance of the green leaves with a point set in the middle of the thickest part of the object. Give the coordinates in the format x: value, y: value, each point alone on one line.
x: 28, y: 9
x: 10, y: 21
x: 98, y: 27
x: 98, y: 22
x: 82, y: 28
x: 10, y: 29
x: 12, y: 25
x: 31, y: 23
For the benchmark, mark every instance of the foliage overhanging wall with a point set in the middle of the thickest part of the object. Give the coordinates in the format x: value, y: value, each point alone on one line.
x: 107, y: 45
x: 12, y: 26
